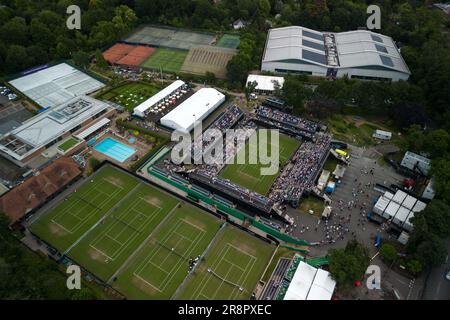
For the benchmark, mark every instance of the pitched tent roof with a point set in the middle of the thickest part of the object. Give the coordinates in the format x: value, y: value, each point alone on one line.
x: 36, y: 190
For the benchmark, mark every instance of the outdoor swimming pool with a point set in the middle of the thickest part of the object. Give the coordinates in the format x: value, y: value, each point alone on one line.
x: 115, y: 149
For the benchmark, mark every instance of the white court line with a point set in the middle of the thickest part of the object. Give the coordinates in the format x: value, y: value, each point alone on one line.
x: 221, y: 258
x: 101, y: 252
x: 146, y: 282
x: 132, y: 237
x: 171, y: 273
x: 81, y: 222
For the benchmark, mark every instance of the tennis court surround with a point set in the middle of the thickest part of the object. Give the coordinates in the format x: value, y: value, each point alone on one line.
x: 139, y: 240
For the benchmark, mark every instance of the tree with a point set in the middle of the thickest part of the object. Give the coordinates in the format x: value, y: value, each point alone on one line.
x: 210, y: 77
x: 407, y: 113
x: 431, y: 252
x: 321, y: 107
x: 15, y: 31
x: 237, y: 69
x: 388, y: 252
x: 349, y: 264
x: 81, y: 58
x: 16, y: 58
x: 440, y: 170
x: 249, y: 88
x: 414, y: 266
x: 100, y: 60
x: 95, y: 163
x: 435, y: 218
x: 295, y: 93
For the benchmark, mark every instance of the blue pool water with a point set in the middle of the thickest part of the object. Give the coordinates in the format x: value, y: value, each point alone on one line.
x: 115, y: 149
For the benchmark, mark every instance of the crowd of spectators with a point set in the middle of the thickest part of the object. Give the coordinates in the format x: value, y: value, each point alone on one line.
x: 288, y: 119
x: 226, y: 121
x: 299, y: 173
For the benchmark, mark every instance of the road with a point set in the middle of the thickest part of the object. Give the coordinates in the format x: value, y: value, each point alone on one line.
x: 437, y: 287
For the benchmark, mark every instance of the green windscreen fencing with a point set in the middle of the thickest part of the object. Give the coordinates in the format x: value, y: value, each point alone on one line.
x: 231, y: 211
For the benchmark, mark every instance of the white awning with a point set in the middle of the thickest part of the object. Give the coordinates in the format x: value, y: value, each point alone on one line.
x: 144, y: 106
x: 86, y: 133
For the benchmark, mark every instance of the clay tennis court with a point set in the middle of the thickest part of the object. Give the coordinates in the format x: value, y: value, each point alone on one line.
x: 128, y: 55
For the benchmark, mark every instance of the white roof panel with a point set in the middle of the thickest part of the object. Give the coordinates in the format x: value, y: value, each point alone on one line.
x: 399, y: 196
x: 196, y: 108
x: 355, y: 49
x: 147, y: 104
x: 419, y: 206
x: 392, y: 209
x: 56, y: 85
x: 265, y: 82
x: 309, y: 283
x: 409, y: 202
x: 85, y: 133
x: 323, y: 286
x: 301, y: 282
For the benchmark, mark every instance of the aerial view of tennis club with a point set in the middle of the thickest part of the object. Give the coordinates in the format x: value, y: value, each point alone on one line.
x: 224, y: 150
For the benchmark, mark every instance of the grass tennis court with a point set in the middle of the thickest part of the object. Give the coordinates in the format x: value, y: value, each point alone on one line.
x: 139, y: 239
x: 131, y: 222
x: 229, y: 41
x: 162, y: 264
x: 170, y: 60
x: 249, y: 175
x: 130, y: 95
x: 82, y: 209
x: 231, y: 270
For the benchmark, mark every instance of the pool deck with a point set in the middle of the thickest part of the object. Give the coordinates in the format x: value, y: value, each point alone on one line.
x: 140, y: 147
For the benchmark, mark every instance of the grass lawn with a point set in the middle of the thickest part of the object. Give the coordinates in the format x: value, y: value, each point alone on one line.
x: 330, y: 164
x: 131, y: 222
x: 157, y: 271
x: 312, y: 203
x: 130, y: 95
x: 229, y: 41
x: 359, y: 131
x: 73, y: 217
x: 249, y: 175
x: 170, y: 60
x: 236, y: 261
x: 71, y: 142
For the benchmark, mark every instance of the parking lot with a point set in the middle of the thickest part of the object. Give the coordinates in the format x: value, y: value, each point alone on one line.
x: 351, y: 201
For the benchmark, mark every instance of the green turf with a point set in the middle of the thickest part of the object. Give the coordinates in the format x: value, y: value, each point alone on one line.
x: 170, y: 60
x: 107, y: 247
x: 229, y: 41
x: 236, y: 259
x: 249, y: 175
x: 68, y: 144
x: 157, y: 271
x: 72, y: 218
x: 130, y: 95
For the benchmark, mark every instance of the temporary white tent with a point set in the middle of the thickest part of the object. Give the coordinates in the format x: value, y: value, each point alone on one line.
x: 309, y: 283
x: 142, y: 109
x: 196, y: 108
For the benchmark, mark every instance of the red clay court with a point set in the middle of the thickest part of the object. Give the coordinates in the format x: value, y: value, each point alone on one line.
x: 126, y: 54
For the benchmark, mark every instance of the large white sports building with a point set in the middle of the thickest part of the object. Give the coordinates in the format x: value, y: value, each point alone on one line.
x: 196, y: 108
x: 359, y: 54
x: 55, y: 85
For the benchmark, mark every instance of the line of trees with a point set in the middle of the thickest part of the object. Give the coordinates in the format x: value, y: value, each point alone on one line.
x: 35, y: 32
